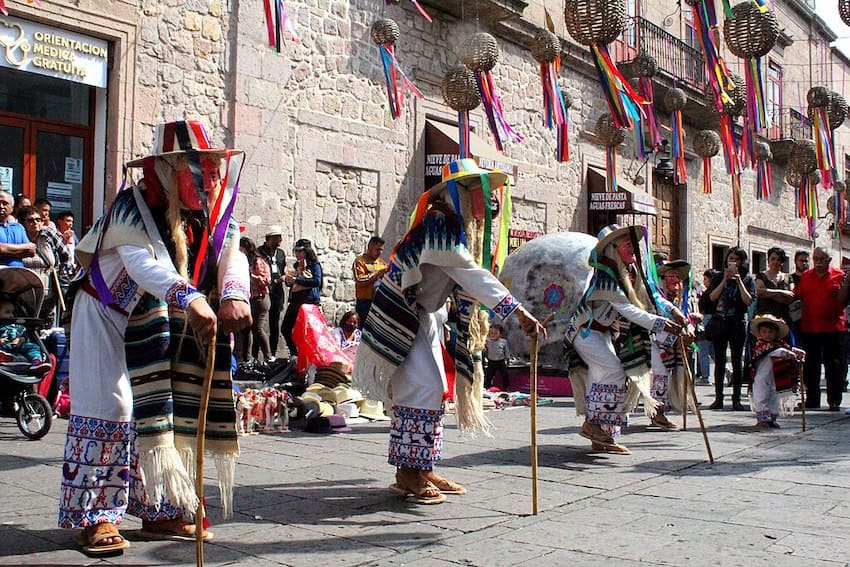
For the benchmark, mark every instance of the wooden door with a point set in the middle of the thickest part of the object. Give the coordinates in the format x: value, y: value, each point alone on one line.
x: 665, y: 225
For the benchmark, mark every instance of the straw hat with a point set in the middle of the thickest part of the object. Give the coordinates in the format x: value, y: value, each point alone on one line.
x: 680, y: 266
x: 759, y: 319
x: 466, y: 173
x: 181, y: 137
x: 611, y: 233
x: 372, y: 409
x: 343, y: 393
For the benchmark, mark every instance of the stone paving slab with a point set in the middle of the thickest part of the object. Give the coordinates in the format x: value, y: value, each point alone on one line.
x: 772, y: 498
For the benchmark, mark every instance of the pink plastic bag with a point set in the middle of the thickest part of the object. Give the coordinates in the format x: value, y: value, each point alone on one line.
x: 315, y: 341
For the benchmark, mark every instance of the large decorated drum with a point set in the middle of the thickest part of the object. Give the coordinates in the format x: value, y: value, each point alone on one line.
x: 548, y: 275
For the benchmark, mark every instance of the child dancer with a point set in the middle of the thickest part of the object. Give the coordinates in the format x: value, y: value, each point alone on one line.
x: 774, y: 371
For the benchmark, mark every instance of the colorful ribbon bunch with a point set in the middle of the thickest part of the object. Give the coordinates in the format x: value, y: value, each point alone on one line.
x: 555, y: 112
x: 463, y: 126
x: 824, y: 147
x: 806, y: 199
x: 647, y: 133
x: 415, y: 3
x: 839, y: 214
x: 680, y: 172
x: 764, y: 179
x: 706, y: 176
x: 625, y: 104
x: 611, y: 169
x: 499, y: 127
x: 393, y: 75
x: 757, y: 118
x: 493, y: 258
x: 278, y: 22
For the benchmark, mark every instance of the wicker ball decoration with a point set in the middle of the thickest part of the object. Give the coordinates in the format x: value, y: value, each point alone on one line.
x: 480, y: 52
x: 844, y: 11
x: 460, y: 91
x: 645, y: 65
x: 609, y: 133
x: 763, y: 151
x: 793, y: 177
x: 803, y: 157
x: 675, y: 99
x: 546, y: 46
x: 737, y: 94
x: 814, y: 177
x: 818, y: 96
x: 595, y: 21
x: 707, y: 143
x: 838, y: 110
x: 384, y: 31
x: 750, y: 32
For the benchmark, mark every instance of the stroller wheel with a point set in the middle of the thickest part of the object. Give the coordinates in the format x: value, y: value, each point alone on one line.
x: 33, y: 415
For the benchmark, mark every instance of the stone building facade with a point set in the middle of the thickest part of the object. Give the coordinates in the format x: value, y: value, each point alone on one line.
x: 326, y: 162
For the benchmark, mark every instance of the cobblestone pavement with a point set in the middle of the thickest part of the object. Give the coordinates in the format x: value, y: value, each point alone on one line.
x: 772, y: 498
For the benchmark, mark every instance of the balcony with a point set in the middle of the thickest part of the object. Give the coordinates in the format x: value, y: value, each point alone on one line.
x: 680, y: 62
x: 490, y: 11
x: 787, y: 125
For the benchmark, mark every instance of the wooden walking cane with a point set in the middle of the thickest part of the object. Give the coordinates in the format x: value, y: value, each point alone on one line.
x: 684, y: 396
x: 533, y: 382
x: 690, y: 385
x: 802, y: 396
x: 199, y: 454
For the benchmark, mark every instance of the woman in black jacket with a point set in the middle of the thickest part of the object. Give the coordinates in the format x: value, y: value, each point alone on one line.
x: 731, y: 291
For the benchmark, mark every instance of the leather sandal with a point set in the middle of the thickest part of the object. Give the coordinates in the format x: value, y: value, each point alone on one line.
x: 90, y: 540
x: 594, y: 432
x: 444, y: 485
x: 610, y: 447
x: 178, y: 529
x: 413, y: 486
x: 661, y: 421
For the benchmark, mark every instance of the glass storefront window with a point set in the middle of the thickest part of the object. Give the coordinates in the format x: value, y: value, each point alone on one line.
x: 44, y: 97
x: 59, y: 172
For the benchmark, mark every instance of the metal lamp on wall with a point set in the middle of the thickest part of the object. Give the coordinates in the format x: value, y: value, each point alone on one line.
x: 664, y: 167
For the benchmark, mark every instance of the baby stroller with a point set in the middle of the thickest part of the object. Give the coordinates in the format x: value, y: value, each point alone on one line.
x: 19, y: 389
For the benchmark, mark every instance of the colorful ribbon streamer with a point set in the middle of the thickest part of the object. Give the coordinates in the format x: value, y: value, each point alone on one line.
x: 392, y: 74
x: 839, y: 214
x: 649, y: 137
x: 611, y: 169
x: 625, y: 104
x: 764, y: 180
x: 756, y: 104
x: 806, y: 198
x: 499, y: 127
x: 706, y: 176
x: 824, y: 147
x: 680, y: 171
x: 415, y: 3
x: 277, y: 23
x: 464, y: 147
x: 555, y: 112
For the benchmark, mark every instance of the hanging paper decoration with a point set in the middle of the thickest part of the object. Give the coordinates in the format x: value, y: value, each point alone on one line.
x: 481, y: 53
x: 751, y: 32
x: 820, y: 100
x: 706, y: 145
x: 611, y: 136
x: 460, y: 92
x: 277, y: 22
x: 675, y: 101
x: 647, y: 132
x: 764, y: 178
x: 415, y: 3
x: 596, y: 23
x: 546, y: 49
x: 384, y: 34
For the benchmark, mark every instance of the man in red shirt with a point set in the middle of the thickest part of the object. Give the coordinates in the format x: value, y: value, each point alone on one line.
x: 824, y: 291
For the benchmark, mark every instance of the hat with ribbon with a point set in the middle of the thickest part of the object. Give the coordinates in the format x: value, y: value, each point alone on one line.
x: 612, y: 233
x: 466, y: 173
x: 759, y: 320
x: 181, y: 137
x: 679, y: 266
x: 372, y: 409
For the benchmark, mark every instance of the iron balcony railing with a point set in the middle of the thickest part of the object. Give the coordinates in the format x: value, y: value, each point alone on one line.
x: 789, y: 124
x: 675, y: 58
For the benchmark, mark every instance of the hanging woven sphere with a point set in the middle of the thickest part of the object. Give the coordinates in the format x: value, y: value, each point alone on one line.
x: 763, y: 152
x: 844, y: 11
x: 675, y: 99
x: 814, y: 177
x: 706, y: 143
x: 385, y: 31
x: 839, y: 186
x: 546, y: 46
x: 595, y: 21
x: 803, y: 157
x: 609, y: 133
x: 738, y: 94
x: 645, y: 65
x: 793, y: 177
x: 838, y: 110
x: 480, y: 52
x: 460, y: 91
x: 818, y: 96
x: 750, y: 32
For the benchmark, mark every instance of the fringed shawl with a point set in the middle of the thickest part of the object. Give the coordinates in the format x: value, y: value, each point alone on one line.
x: 392, y: 323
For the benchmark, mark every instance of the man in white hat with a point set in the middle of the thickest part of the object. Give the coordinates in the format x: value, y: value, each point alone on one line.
x: 159, y: 262
x: 401, y: 359
x: 609, y: 381
x: 271, y: 252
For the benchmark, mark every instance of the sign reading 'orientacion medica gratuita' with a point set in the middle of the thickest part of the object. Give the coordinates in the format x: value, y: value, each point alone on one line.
x: 45, y: 50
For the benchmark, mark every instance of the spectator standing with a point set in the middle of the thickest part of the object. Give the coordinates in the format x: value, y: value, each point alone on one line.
x: 65, y: 228
x: 14, y: 244
x: 50, y: 255
x: 260, y: 280
x: 44, y: 207
x: 21, y: 201
x: 305, y: 286
x: 773, y: 287
x: 732, y: 293
x: 824, y: 291
x: 706, y: 348
x: 368, y: 269
x: 276, y: 259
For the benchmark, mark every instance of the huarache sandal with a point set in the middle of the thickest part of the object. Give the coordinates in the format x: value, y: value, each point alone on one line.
x: 91, y: 540
x: 660, y: 420
x: 171, y: 530
x: 593, y: 432
x: 611, y: 447
x: 444, y: 485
